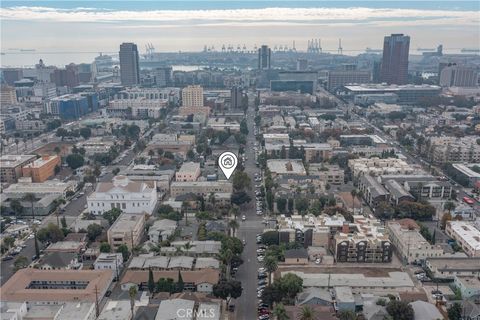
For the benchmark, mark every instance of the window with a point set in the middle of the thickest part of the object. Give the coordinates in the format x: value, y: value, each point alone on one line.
x: 124, y: 205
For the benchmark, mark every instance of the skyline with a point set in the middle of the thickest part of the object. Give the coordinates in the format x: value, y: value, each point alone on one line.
x: 50, y: 26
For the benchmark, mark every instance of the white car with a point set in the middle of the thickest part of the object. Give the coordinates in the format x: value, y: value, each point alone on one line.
x: 244, y: 218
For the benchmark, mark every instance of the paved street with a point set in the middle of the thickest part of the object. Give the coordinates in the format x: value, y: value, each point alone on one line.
x: 247, y: 273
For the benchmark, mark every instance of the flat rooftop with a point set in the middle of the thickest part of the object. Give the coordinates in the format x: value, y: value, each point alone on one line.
x: 17, y: 288
x: 12, y: 161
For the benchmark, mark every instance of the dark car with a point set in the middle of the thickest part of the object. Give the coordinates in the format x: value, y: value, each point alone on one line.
x: 6, y: 258
x: 108, y: 293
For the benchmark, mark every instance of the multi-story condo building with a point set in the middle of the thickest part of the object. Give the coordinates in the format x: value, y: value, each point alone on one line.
x: 41, y: 169
x: 188, y: 172
x: 11, y: 166
x: 204, y: 188
x: 331, y: 174
x: 411, y: 246
x: 337, y: 79
x: 128, y: 229
x: 264, y: 58
x: 368, y: 242
x: 459, y: 76
x: 192, y: 96
x: 8, y: 95
x: 377, y: 166
x: 138, y: 108
x: 134, y: 197
x: 466, y: 235
x: 452, y: 149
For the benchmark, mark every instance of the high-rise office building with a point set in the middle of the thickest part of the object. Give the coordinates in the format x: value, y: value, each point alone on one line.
x: 337, y: 79
x: 129, y: 67
x: 395, y: 59
x: 192, y: 96
x: 236, y: 94
x: 458, y: 76
x: 264, y: 58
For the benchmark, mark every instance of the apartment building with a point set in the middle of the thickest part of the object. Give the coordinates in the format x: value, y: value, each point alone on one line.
x: 286, y: 167
x: 122, y: 193
x: 452, y: 149
x: 11, y: 166
x: 128, y: 229
x: 141, y: 108
x: 188, y: 172
x: 373, y: 191
x: 331, y: 174
x: 96, y: 145
x: 192, y: 96
x: 45, y: 287
x: 368, y: 242
x: 411, y: 246
x: 42, y: 168
x: 204, y: 188
x: 450, y: 267
x: 377, y: 166
x: 40, y: 190
x: 466, y: 236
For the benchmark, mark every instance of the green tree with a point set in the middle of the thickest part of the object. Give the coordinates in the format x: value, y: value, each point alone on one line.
x: 455, y: 311
x: 180, y: 283
x: 307, y: 313
x: 93, y: 231
x: 244, y: 127
x: 291, y: 284
x: 233, y: 225
x: 17, y: 208
x: 75, y: 161
x: 8, y: 241
x: 86, y: 133
x: 132, y: 293
x: 105, y: 247
x: 20, y: 263
x: 241, y: 181
x: 112, y: 215
x: 165, y: 285
x: 301, y: 205
x: 239, y: 198
x: 51, y: 233
x: 227, y: 290
x: 400, y: 310
x: 280, y: 313
x: 449, y: 206
x: 30, y: 197
x: 281, y: 205
x: 354, y: 196
x: 151, y: 282
x: 347, y: 315
x: 271, y: 264
x: 270, y: 238
x: 272, y: 294
x: 123, y: 249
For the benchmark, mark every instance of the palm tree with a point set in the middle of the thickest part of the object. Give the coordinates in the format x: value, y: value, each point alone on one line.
x: 271, y: 264
x: 178, y: 251
x: 234, y: 211
x: 17, y: 142
x: 354, y: 194
x: 280, y: 313
x: 132, y: 292
x: 187, y: 246
x: 233, y: 225
x: 24, y: 143
x: 307, y: 313
x: 30, y: 197
x: 185, y: 205
x: 17, y: 208
x: 226, y: 257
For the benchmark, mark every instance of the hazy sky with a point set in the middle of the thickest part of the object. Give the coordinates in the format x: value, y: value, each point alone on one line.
x: 100, y: 26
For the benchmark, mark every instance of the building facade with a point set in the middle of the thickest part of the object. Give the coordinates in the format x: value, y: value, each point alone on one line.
x: 42, y: 168
x: 394, y: 69
x: 129, y: 64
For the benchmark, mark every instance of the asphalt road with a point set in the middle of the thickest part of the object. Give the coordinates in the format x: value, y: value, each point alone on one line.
x: 246, y: 305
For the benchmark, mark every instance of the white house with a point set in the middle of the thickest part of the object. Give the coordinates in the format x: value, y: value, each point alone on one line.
x: 124, y: 194
x: 112, y: 261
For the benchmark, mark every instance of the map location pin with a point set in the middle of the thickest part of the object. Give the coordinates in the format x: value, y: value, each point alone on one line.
x: 227, y: 161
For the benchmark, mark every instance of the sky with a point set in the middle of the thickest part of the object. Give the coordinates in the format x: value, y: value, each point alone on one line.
x: 79, y: 30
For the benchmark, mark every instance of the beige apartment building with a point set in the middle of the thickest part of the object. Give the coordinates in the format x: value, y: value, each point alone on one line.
x: 128, y: 230
x: 188, y: 172
x: 192, y: 96
x: 411, y: 246
x: 466, y: 235
x: 204, y: 188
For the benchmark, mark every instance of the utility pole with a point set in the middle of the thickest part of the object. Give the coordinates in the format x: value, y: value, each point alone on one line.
x: 97, y: 309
